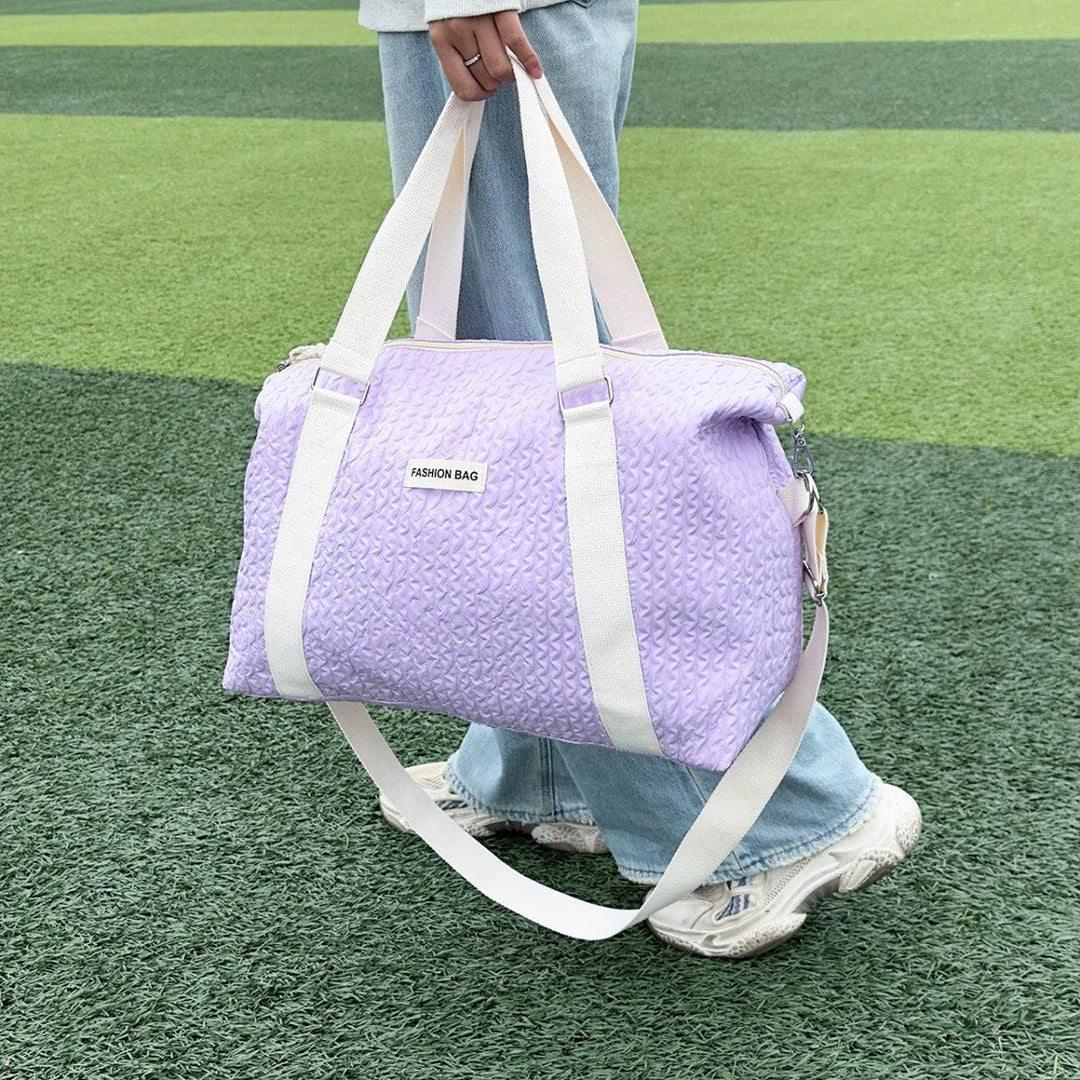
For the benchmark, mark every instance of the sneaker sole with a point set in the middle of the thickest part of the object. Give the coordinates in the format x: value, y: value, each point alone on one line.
x: 479, y: 832
x: 752, y: 943
x: 876, y: 863
x: 546, y: 835
x: 870, y: 866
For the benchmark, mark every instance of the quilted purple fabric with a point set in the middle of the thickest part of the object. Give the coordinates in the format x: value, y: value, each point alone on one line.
x: 463, y: 602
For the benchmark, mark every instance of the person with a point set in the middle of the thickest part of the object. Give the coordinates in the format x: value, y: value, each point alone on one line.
x: 832, y: 825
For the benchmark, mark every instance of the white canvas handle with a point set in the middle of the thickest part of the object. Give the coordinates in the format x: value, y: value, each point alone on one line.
x: 381, y: 281
x: 441, y: 289
x: 732, y: 808
x: 620, y: 290
x: 560, y: 255
x: 564, y: 279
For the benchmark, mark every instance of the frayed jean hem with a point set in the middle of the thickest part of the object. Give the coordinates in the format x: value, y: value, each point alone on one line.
x: 579, y: 814
x: 733, y: 868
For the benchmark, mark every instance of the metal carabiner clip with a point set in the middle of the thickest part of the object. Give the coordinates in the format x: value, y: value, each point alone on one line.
x: 801, y: 461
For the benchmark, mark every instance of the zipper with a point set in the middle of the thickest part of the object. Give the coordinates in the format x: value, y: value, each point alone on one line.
x: 305, y: 355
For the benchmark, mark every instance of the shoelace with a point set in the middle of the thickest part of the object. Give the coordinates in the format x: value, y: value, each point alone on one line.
x: 741, y: 897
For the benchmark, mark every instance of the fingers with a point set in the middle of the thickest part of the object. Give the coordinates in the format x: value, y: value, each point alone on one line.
x: 508, y: 24
x: 486, y: 36
x: 490, y: 46
x: 455, y: 42
x: 479, y: 71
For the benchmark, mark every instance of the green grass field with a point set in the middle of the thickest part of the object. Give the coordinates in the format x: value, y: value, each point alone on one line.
x: 197, y: 885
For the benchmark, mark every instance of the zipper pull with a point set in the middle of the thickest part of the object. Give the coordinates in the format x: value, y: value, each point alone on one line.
x: 303, y: 354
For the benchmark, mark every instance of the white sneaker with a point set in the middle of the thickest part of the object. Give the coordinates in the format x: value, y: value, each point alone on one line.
x: 560, y: 835
x: 740, y: 919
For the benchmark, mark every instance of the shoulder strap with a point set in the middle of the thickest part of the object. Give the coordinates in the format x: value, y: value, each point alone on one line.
x: 731, y: 809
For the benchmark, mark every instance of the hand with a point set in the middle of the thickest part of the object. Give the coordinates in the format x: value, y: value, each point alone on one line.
x: 458, y: 40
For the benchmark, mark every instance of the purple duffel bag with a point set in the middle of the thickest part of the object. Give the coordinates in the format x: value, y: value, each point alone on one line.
x: 594, y: 544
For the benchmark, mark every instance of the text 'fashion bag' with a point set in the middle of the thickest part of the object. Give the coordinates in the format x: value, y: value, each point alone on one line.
x: 595, y: 544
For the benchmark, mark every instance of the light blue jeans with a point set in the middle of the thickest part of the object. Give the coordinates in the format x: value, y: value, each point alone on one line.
x: 643, y: 804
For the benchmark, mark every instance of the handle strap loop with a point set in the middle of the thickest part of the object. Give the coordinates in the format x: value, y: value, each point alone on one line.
x: 615, y: 277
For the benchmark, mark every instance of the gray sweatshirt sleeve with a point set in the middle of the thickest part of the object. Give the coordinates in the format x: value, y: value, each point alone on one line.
x: 399, y: 15
x: 461, y: 9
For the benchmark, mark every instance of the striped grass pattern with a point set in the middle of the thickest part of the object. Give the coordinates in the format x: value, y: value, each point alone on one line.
x: 197, y: 885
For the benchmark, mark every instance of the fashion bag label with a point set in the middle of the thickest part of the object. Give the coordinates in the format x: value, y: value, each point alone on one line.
x: 446, y: 475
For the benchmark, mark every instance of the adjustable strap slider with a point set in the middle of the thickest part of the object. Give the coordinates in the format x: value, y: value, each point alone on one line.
x: 590, y: 393
x: 340, y: 384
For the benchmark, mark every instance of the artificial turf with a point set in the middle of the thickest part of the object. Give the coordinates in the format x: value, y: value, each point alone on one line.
x: 980, y: 85
x: 141, y: 7
x: 144, y: 7
x: 888, y: 265
x: 218, y: 28
x: 200, y: 885
x: 692, y: 23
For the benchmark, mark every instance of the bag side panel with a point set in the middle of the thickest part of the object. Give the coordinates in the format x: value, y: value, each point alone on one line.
x: 280, y: 412
x: 715, y: 577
